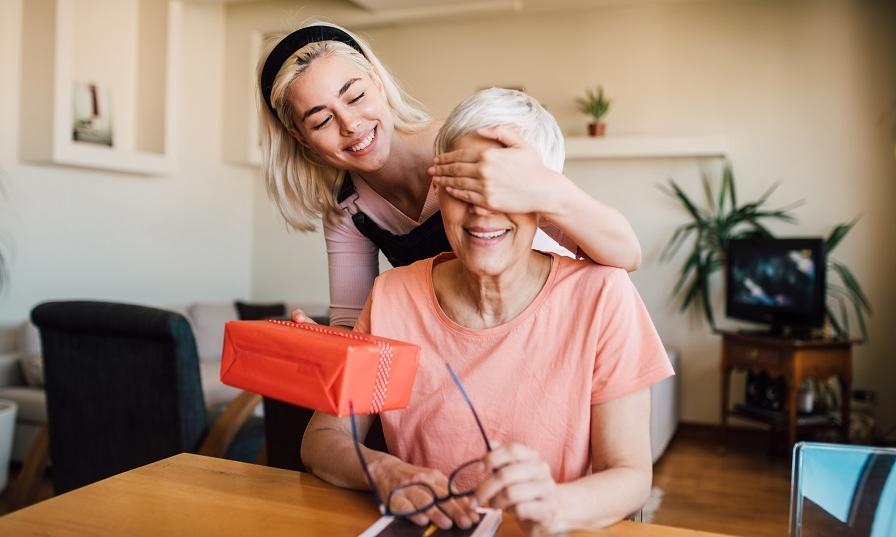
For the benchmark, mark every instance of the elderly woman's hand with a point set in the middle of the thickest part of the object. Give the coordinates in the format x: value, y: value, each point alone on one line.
x: 521, y: 481
x: 509, y: 179
x: 393, y: 473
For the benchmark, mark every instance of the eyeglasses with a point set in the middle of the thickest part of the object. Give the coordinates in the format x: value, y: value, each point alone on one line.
x: 462, y: 481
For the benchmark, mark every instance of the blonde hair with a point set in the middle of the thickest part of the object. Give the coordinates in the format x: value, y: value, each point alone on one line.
x: 495, y: 107
x: 298, y: 181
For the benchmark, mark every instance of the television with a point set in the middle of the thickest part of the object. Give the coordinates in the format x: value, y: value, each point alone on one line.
x: 779, y: 282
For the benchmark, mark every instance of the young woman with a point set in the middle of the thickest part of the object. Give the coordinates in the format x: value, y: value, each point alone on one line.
x: 341, y: 141
x: 556, y: 354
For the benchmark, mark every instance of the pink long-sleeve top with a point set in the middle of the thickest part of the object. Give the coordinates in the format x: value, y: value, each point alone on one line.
x: 354, y: 259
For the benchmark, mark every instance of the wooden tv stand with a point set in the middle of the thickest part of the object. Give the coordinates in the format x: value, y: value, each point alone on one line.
x: 795, y: 360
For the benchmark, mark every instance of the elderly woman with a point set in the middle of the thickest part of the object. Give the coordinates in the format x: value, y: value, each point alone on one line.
x: 556, y: 354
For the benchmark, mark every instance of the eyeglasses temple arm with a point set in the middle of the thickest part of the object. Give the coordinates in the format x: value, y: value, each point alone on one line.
x: 488, y: 445
x: 357, y: 443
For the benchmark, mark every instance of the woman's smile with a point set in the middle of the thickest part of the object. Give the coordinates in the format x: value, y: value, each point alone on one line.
x: 486, y: 236
x: 364, y: 145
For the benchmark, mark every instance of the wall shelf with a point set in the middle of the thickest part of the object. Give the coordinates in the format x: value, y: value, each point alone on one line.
x: 628, y: 147
x: 129, y: 49
x: 582, y: 148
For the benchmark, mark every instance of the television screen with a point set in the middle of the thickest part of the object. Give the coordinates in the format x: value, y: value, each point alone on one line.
x: 777, y: 281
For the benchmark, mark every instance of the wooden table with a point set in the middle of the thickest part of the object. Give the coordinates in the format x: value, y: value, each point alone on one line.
x: 193, y: 495
x: 791, y: 358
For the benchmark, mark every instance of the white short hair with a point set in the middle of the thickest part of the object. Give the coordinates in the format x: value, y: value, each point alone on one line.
x: 496, y: 107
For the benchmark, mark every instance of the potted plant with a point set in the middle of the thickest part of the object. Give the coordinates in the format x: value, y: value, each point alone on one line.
x: 724, y: 219
x: 595, y: 105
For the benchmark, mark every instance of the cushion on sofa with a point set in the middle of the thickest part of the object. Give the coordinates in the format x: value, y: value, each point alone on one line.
x: 208, y: 320
x: 257, y: 312
x: 29, y: 339
x: 33, y: 370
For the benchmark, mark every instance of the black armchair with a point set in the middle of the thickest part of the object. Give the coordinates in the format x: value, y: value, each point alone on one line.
x: 123, y: 390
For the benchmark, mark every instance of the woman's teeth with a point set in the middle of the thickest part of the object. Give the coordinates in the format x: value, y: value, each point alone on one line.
x: 488, y: 234
x: 364, y: 143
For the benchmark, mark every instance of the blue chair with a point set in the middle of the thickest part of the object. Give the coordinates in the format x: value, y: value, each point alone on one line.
x: 842, y: 490
x: 123, y: 390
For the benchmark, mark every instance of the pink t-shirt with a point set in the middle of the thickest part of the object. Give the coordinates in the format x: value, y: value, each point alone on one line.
x: 354, y: 260
x: 584, y: 340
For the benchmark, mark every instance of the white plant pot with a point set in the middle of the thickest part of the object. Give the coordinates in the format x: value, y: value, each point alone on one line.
x: 7, y: 426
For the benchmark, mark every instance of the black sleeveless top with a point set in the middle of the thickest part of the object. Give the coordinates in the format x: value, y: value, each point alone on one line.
x: 426, y: 240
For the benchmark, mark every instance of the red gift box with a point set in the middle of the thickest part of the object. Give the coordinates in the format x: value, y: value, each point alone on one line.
x: 319, y: 367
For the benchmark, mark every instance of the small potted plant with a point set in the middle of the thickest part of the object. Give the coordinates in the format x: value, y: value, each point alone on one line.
x: 595, y: 105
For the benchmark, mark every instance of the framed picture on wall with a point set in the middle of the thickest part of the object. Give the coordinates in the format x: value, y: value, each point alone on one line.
x: 91, y: 114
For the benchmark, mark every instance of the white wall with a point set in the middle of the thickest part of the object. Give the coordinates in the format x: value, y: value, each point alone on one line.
x: 100, y: 235
x: 804, y: 90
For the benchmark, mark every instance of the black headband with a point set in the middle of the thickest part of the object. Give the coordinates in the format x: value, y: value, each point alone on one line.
x: 290, y: 44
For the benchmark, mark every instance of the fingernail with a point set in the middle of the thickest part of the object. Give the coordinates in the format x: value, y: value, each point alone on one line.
x: 474, y: 503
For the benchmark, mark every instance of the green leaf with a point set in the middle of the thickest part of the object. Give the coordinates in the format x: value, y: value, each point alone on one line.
x: 765, y: 195
x: 723, y: 191
x: 693, y: 290
x: 837, y: 235
x: 689, y: 205
x: 834, y: 289
x: 704, y: 293
x: 707, y: 191
x: 860, y: 316
x: 852, y: 285
x: 779, y: 214
x: 686, y: 269
x: 761, y: 231
x: 844, y: 317
x: 862, y: 326
x: 728, y: 177
x: 694, y: 287
x: 842, y: 293
x: 680, y: 235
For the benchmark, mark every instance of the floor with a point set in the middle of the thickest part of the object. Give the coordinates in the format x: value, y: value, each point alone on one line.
x: 742, y: 491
